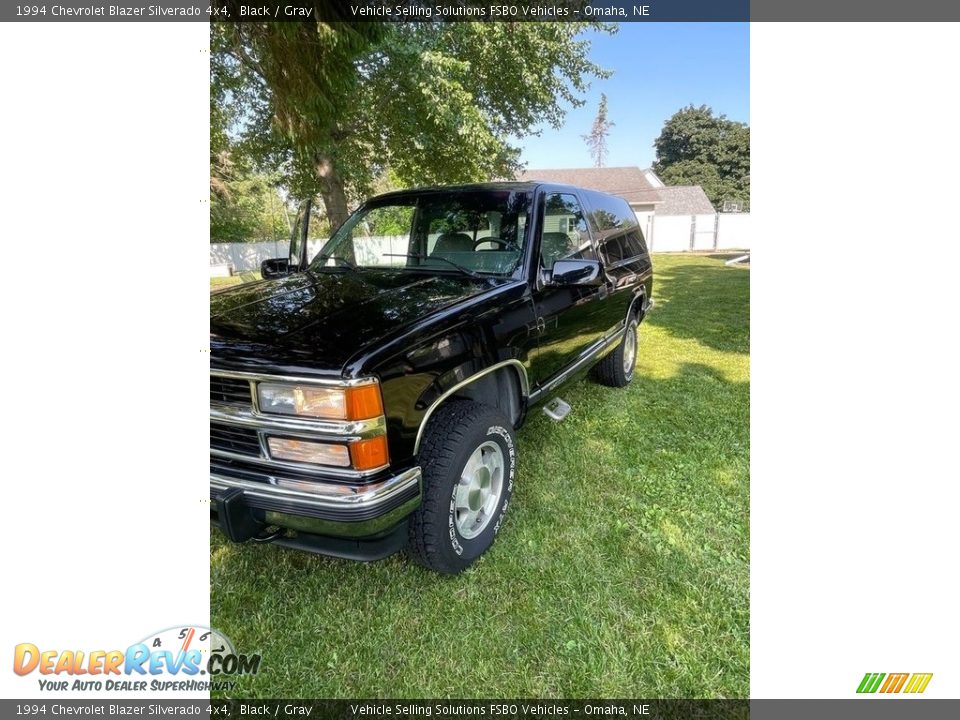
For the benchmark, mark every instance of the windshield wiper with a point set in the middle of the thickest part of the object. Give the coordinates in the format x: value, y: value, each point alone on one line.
x: 458, y: 266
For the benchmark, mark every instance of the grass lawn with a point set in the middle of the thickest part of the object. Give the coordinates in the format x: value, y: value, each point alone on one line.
x: 622, y: 569
x: 221, y: 282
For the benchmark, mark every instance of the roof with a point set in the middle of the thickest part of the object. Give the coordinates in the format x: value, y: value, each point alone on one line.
x: 684, y: 200
x: 630, y: 183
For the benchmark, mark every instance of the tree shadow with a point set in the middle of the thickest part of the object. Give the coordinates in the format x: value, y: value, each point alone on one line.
x: 704, y: 301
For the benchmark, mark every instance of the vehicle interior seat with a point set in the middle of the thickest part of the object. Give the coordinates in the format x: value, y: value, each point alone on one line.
x: 457, y: 242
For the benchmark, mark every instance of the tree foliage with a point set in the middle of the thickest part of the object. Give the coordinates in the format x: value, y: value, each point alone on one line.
x: 596, y: 139
x: 248, y: 208
x: 334, y: 104
x: 697, y: 147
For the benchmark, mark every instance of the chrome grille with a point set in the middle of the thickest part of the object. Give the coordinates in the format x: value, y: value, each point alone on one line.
x: 239, y: 440
x: 231, y: 391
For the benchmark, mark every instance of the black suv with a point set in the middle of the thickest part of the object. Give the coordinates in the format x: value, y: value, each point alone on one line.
x: 365, y: 400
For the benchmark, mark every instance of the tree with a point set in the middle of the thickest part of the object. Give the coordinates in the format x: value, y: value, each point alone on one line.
x: 333, y: 103
x: 596, y: 139
x: 697, y: 147
x: 248, y: 208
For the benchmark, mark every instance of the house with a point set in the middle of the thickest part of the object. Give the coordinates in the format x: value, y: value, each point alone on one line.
x: 640, y: 188
x: 672, y: 217
x: 684, y: 200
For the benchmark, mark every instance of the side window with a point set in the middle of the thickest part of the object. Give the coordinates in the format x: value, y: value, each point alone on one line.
x: 618, y: 234
x: 636, y: 242
x: 564, y: 232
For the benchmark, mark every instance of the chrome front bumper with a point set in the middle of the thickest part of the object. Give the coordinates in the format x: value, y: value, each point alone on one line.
x: 334, y: 509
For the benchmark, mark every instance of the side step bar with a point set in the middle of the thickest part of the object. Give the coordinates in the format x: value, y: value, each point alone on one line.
x: 557, y: 409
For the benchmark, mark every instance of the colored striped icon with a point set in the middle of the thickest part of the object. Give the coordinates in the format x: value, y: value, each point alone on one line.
x: 870, y: 683
x: 894, y: 682
x: 918, y: 683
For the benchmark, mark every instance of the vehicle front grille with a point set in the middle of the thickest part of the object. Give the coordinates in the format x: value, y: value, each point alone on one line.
x: 231, y: 391
x: 239, y: 440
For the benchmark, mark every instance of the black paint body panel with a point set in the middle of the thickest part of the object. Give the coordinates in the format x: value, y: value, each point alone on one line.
x: 424, y: 331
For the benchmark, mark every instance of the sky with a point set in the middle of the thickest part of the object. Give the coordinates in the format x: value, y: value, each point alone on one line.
x: 658, y: 68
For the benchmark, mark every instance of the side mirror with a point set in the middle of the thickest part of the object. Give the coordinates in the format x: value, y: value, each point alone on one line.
x: 274, y: 268
x: 576, y: 272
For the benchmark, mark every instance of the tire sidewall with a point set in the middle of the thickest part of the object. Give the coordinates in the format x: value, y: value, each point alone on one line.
x: 463, y: 550
x: 628, y: 375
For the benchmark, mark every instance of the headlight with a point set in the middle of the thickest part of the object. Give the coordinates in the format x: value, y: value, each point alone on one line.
x: 350, y: 403
x: 308, y: 451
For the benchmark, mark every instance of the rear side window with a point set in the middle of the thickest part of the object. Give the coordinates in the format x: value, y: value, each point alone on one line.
x: 564, y: 233
x: 615, y: 227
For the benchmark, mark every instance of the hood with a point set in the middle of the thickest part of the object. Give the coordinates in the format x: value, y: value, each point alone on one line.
x: 320, y: 319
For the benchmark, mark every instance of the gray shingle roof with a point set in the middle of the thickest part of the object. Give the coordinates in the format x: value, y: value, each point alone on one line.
x: 628, y: 182
x: 684, y: 200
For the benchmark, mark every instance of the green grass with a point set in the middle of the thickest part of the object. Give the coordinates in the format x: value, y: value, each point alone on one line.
x: 221, y: 282
x: 622, y: 569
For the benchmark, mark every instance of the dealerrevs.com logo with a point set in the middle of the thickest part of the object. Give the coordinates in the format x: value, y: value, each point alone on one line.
x: 894, y: 683
x: 183, y: 659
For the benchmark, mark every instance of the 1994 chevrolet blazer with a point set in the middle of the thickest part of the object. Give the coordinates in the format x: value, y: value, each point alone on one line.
x: 366, y: 401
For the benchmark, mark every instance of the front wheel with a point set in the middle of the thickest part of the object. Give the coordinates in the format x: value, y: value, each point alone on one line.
x: 468, y: 459
x: 617, y: 368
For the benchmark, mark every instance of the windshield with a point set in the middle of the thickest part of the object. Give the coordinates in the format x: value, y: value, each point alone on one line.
x: 457, y: 231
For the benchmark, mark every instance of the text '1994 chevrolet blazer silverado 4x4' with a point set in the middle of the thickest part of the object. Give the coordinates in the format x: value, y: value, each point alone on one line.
x: 365, y: 401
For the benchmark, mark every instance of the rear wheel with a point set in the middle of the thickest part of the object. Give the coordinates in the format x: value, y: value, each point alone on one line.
x: 468, y: 459
x: 617, y: 368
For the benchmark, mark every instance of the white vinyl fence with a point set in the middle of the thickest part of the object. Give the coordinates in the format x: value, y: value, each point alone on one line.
x: 243, y: 257
x: 671, y: 233
x: 235, y: 258
x: 681, y: 233
x: 734, y: 231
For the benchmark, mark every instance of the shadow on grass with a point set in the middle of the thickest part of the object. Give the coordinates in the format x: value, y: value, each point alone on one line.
x: 701, y: 299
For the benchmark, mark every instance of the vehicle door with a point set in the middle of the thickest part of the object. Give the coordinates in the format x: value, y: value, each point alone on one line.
x: 622, y: 249
x: 567, y: 316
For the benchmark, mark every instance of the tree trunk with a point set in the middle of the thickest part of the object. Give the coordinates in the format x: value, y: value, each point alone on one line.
x: 332, y: 192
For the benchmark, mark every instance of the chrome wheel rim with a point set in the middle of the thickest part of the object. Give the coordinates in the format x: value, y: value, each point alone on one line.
x: 629, y: 349
x: 477, y: 495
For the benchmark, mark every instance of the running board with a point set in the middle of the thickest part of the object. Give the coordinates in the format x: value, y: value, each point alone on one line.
x: 556, y: 409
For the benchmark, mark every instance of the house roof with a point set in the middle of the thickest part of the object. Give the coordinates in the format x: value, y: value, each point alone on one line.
x: 684, y: 200
x: 630, y: 183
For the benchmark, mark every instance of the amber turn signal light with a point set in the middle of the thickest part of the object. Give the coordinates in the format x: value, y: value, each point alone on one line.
x: 363, y: 402
x: 370, y: 453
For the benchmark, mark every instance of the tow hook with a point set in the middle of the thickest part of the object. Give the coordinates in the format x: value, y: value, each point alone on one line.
x: 269, y: 537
